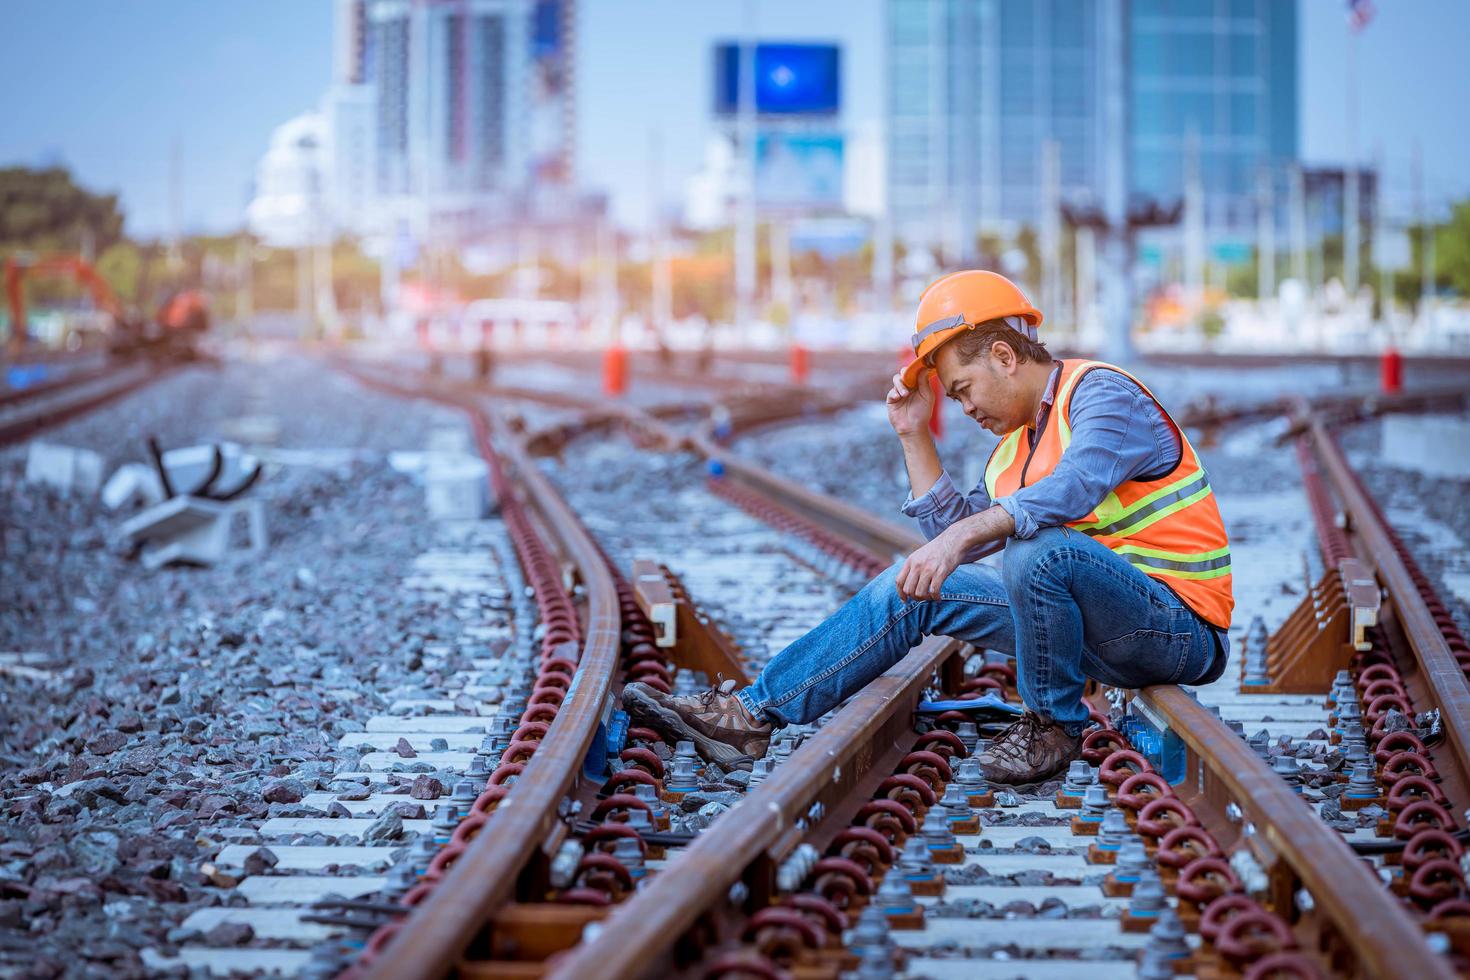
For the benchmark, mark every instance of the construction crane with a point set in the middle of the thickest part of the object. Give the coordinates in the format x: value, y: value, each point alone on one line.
x: 18, y: 269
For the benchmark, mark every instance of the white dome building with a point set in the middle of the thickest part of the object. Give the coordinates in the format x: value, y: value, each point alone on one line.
x: 289, y: 207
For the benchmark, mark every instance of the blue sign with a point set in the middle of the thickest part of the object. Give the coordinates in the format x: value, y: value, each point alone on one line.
x: 1231, y: 252
x: 790, y: 79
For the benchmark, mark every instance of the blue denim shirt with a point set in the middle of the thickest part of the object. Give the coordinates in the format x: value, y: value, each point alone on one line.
x: 1118, y: 434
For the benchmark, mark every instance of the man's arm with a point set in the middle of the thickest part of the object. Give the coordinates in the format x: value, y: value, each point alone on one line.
x: 921, y: 459
x: 923, y: 572
x: 908, y: 413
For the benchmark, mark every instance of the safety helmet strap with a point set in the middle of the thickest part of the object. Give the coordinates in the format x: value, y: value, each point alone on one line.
x: 1016, y: 323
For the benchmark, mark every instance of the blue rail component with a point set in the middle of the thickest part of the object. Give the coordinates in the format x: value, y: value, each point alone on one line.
x: 1156, y: 742
x: 611, y: 737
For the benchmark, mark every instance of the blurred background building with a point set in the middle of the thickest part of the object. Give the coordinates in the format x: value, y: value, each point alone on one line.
x: 978, y: 88
x: 811, y: 175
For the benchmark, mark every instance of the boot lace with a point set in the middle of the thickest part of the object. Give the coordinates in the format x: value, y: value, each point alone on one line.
x: 1021, y: 737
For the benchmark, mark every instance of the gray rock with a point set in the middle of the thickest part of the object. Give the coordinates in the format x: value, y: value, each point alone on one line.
x: 259, y: 861
x: 388, y: 827
x: 229, y: 934
x: 106, y: 743
x: 283, y: 791
x: 426, y: 788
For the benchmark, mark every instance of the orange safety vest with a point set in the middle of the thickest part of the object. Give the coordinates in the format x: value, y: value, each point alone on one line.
x: 1169, y: 528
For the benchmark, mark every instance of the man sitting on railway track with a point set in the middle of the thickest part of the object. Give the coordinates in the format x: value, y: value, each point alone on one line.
x: 1116, y: 564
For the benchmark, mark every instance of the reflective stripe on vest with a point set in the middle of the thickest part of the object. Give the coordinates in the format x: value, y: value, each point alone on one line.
x: 1155, y: 507
x: 1206, y: 564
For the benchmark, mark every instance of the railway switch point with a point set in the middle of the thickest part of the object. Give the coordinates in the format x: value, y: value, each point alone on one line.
x: 648, y: 854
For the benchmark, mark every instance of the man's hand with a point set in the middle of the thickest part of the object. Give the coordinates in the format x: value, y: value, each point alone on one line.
x: 923, y: 572
x: 909, y: 409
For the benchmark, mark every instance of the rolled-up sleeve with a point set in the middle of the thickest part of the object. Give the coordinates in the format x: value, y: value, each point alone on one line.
x: 941, y: 505
x: 1115, y: 437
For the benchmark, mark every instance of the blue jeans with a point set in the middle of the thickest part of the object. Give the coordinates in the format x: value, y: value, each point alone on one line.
x: 1064, y: 606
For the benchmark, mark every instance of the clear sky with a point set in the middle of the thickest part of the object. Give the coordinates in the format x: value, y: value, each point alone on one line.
x: 106, y: 86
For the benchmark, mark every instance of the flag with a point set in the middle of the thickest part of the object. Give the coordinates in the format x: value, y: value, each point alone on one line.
x: 1360, y: 12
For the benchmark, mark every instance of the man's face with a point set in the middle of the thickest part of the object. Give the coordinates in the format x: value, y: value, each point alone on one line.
x: 987, y: 388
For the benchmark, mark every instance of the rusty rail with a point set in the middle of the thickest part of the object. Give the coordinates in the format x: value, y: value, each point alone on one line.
x: 28, y: 424
x: 1443, y: 676
x: 1350, y: 904
x: 1220, y: 767
x: 1382, y: 936
x: 826, y: 768
x: 439, y: 929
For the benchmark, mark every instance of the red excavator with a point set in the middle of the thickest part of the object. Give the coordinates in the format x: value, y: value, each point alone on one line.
x: 178, y: 325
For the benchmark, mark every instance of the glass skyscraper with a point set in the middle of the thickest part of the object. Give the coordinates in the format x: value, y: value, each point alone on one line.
x: 1216, y: 78
x: 978, y: 87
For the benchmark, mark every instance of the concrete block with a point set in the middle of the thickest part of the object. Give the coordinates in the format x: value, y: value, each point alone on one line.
x: 189, y: 465
x: 192, y: 530
x: 456, y: 488
x: 133, y: 483
x: 66, y: 468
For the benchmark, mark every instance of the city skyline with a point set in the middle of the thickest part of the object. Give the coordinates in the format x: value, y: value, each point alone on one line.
x: 218, y: 79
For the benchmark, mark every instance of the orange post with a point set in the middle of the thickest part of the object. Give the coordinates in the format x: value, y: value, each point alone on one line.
x: 800, y: 364
x: 1391, y: 371
x: 614, y: 371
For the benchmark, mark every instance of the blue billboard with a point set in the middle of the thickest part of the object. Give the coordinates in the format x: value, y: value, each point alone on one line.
x: 790, y: 79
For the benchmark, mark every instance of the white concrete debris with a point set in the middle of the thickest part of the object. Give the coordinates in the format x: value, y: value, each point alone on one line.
x: 457, y: 488
x: 133, y: 484
x: 456, y: 482
x: 189, y: 466
x: 192, y: 530
x: 66, y: 468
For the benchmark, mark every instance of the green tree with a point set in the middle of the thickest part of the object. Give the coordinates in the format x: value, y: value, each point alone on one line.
x: 45, y: 210
x: 1452, y: 250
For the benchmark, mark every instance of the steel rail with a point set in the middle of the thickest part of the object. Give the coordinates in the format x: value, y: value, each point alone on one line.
x: 1371, y: 921
x: 1442, y: 673
x: 883, y: 538
x: 826, y: 766
x: 1387, y: 944
x: 438, y: 930
x: 28, y: 424
x: 13, y: 396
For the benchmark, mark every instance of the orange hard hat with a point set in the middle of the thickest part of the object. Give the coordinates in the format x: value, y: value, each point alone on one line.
x: 962, y: 301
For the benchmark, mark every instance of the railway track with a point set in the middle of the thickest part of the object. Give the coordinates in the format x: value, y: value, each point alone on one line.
x: 27, y: 411
x: 865, y: 843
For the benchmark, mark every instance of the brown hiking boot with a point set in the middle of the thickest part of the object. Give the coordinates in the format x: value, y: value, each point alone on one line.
x: 1029, y: 751
x: 715, y: 721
